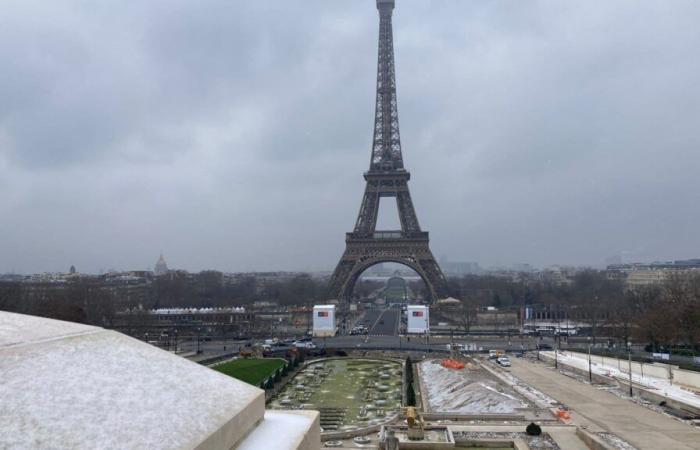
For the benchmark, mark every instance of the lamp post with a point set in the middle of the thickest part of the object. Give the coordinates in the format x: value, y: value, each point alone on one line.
x: 629, y: 360
x: 556, y: 347
x: 590, y: 372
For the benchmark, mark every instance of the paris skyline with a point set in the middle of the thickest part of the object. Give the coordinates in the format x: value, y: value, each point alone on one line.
x: 544, y: 133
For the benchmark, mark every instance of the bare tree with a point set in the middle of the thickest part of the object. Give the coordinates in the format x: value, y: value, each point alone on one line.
x: 683, y: 305
x: 468, y: 313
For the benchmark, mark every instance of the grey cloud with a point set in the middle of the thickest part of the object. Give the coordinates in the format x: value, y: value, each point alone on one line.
x: 233, y: 135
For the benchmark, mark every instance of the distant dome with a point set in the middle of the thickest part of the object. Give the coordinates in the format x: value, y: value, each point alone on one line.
x: 72, y: 269
x: 161, y: 266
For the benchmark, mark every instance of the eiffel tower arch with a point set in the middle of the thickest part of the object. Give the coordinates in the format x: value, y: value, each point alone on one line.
x: 386, y: 177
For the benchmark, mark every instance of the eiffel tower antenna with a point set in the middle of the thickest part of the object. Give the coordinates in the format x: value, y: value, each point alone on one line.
x: 386, y: 177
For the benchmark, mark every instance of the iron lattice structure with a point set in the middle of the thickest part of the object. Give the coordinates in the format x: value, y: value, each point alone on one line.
x: 366, y: 246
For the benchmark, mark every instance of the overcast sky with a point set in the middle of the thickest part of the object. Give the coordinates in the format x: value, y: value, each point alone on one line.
x: 233, y: 135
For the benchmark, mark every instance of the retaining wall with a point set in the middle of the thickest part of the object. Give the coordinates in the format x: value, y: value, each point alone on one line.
x: 657, y: 370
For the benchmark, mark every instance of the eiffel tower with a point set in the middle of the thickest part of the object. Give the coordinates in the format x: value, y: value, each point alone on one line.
x: 366, y: 246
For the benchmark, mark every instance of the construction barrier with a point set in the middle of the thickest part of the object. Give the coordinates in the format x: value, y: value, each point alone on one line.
x: 452, y: 364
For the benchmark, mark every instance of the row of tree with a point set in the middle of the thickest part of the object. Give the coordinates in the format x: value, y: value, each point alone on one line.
x: 96, y: 300
x: 83, y: 301
x: 659, y: 314
x: 662, y: 314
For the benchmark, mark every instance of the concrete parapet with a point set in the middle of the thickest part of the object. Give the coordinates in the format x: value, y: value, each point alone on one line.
x: 592, y: 441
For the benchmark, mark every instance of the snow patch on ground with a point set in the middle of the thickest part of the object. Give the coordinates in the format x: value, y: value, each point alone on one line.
x: 616, y: 441
x: 539, y: 398
x: 541, y: 442
x: 464, y: 392
x: 662, y: 386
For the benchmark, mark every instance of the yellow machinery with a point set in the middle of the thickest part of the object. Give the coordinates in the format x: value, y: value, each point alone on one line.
x: 415, y: 423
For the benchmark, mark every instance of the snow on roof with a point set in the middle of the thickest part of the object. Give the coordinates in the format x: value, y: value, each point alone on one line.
x: 65, y: 385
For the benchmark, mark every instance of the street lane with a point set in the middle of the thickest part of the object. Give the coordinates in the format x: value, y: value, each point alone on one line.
x: 387, y: 324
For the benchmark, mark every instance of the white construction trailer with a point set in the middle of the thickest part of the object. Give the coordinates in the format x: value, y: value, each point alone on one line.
x: 418, y: 319
x: 324, y: 320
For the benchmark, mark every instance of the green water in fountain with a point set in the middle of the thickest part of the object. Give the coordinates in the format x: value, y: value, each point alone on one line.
x: 350, y: 393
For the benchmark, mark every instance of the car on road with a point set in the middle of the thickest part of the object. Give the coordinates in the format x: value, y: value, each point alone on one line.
x: 306, y: 345
x: 503, y: 361
x: 359, y: 329
x: 457, y: 347
x: 495, y: 354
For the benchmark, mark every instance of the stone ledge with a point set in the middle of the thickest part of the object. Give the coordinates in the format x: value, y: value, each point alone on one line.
x: 67, y: 385
x: 285, y: 430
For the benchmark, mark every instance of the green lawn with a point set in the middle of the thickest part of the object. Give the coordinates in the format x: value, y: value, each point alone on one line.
x: 253, y: 370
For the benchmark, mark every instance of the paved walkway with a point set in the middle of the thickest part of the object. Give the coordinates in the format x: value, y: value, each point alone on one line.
x: 603, y: 411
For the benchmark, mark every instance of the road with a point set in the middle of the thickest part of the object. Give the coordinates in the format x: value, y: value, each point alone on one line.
x: 383, y: 337
x: 369, y: 318
x: 387, y: 324
x: 603, y: 411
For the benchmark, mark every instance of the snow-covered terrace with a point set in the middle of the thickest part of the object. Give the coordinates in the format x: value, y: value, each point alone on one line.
x: 465, y: 392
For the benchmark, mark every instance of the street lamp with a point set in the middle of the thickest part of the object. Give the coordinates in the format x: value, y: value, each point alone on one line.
x: 556, y: 347
x: 590, y: 372
x: 629, y: 360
